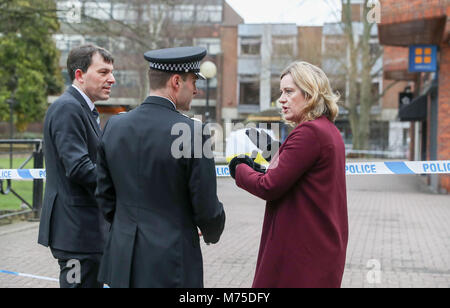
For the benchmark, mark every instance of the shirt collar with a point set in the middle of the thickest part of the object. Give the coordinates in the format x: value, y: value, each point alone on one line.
x: 167, y: 99
x: 86, y: 98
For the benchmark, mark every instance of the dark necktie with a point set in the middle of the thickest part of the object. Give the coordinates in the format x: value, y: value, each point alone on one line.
x: 96, y: 115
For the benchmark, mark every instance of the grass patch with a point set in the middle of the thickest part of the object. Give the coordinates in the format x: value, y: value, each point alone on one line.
x: 21, y: 187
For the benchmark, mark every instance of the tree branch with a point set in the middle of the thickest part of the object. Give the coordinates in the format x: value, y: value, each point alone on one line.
x: 385, y: 90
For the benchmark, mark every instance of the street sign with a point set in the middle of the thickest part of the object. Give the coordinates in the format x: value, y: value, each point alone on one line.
x: 422, y: 58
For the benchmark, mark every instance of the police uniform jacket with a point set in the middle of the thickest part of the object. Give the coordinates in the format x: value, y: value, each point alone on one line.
x: 70, y: 218
x: 155, y: 199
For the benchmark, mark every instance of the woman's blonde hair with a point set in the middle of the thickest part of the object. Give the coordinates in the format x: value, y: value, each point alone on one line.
x: 315, y: 86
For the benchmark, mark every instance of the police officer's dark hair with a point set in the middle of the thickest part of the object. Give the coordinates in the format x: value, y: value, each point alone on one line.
x: 81, y: 58
x: 158, y: 79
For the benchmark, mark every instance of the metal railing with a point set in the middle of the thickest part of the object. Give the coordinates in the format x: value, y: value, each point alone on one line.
x: 38, y: 184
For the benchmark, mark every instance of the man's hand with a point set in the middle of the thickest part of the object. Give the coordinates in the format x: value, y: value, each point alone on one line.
x: 200, y: 235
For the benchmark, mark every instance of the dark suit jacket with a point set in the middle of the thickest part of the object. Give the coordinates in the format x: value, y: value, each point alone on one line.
x: 154, y: 200
x: 305, y: 231
x: 70, y: 218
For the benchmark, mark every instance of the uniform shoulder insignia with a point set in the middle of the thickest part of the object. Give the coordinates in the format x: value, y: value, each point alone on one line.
x: 195, y: 119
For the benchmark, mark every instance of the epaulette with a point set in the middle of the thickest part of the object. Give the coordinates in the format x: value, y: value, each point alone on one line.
x: 195, y: 119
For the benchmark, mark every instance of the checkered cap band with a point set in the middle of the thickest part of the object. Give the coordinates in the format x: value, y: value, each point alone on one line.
x: 180, y: 67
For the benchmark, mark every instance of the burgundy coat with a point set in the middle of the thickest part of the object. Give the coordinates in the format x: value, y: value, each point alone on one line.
x: 305, y: 231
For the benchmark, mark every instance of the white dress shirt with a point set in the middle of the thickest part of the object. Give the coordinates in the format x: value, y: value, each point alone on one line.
x: 88, y: 101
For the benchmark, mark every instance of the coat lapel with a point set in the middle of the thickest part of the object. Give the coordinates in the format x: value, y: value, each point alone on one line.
x: 86, y: 108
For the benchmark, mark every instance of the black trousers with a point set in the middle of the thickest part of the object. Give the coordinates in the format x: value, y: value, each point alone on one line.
x: 78, y: 270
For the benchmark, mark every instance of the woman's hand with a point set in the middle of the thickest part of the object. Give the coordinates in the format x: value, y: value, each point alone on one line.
x: 244, y: 160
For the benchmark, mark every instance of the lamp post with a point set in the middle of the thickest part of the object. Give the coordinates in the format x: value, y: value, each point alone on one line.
x: 11, y: 102
x: 209, y: 70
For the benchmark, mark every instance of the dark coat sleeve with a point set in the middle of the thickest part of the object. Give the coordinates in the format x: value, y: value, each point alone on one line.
x: 70, y: 138
x: 299, y: 153
x: 105, y: 192
x: 209, y: 214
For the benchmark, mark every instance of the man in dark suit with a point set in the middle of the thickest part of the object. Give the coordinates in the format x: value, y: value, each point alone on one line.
x: 154, y: 197
x: 71, y: 222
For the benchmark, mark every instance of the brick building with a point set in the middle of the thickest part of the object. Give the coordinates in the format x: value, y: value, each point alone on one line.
x: 406, y: 23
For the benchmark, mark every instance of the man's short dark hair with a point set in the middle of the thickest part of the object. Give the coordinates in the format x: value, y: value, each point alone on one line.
x: 158, y: 79
x: 81, y: 58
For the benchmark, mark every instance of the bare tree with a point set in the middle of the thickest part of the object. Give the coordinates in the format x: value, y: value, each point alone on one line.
x: 357, y: 65
x: 136, y: 26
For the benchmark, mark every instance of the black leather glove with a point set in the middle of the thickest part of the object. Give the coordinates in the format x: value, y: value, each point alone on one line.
x: 264, y: 142
x: 258, y: 167
x: 244, y: 160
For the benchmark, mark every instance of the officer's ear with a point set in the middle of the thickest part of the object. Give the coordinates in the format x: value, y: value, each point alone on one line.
x: 175, y: 81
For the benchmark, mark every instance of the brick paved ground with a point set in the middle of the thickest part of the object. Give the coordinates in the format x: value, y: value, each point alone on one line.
x: 393, y: 220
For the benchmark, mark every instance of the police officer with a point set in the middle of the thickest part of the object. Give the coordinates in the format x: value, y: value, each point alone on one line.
x: 156, y: 199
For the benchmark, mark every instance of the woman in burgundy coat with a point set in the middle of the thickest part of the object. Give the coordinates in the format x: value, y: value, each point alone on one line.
x: 305, y: 231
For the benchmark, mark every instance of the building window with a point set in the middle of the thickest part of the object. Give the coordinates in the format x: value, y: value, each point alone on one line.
x: 379, y: 135
x: 65, y: 42
x: 283, y: 46
x: 251, y: 46
x: 184, y: 13
x: 201, y: 84
x: 274, y: 91
x: 406, y: 139
x: 69, y: 11
x: 98, y: 10
x: 126, y: 79
x: 249, y: 90
x: 211, y: 44
x: 126, y: 12
x: 209, y: 13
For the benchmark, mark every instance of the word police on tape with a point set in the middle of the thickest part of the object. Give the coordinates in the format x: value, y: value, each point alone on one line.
x: 22, y: 174
x: 366, y: 168
x: 407, y: 167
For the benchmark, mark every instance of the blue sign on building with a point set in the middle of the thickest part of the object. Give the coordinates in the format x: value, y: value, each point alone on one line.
x: 422, y: 58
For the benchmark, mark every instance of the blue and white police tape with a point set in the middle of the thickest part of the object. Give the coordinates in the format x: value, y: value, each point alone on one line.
x: 28, y: 276
x: 35, y: 276
x: 22, y: 174
x: 374, y: 168
x: 362, y: 168
x: 398, y: 167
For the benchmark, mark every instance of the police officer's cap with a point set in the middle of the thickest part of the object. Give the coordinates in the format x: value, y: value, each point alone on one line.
x: 177, y: 60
